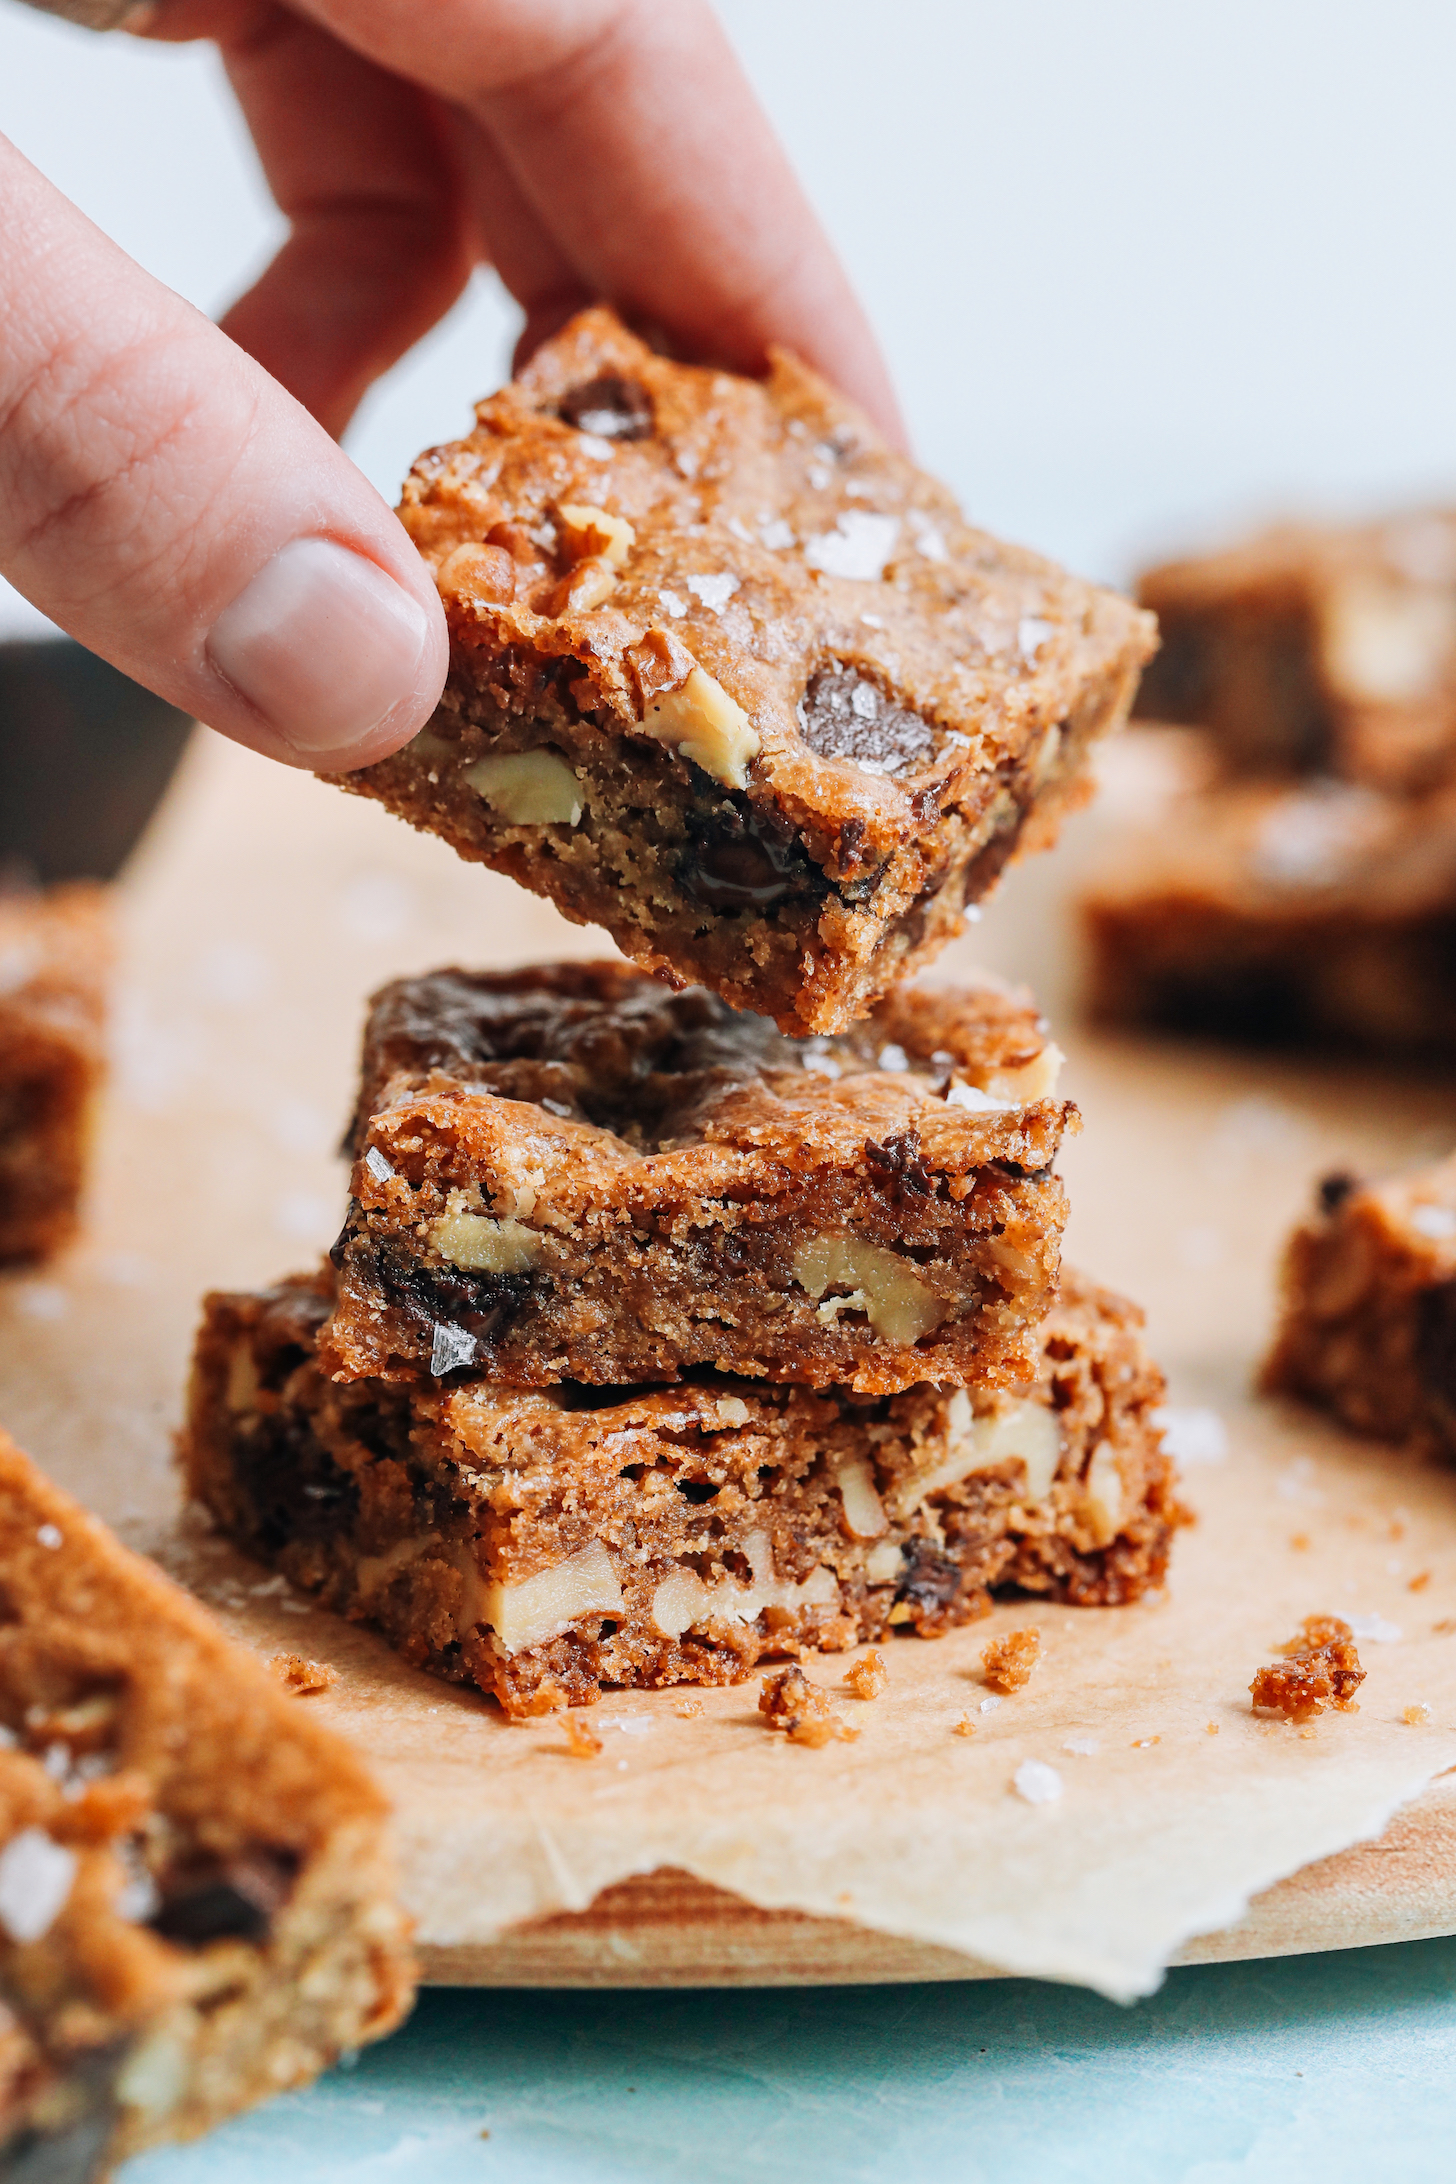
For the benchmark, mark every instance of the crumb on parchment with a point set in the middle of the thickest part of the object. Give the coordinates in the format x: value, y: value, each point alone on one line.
x: 1419, y: 1582
x: 1320, y: 1668
x: 965, y: 1727
x: 867, y: 1678
x: 582, y: 1741
x: 301, y: 1676
x: 689, y: 1708
x: 802, y: 1710
x: 1417, y: 1714
x: 1009, y: 1661
x: 1211, y: 1728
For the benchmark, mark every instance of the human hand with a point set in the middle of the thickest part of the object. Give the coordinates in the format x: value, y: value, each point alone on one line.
x: 164, y: 498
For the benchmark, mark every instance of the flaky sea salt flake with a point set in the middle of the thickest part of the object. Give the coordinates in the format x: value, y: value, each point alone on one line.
x: 35, y: 1883
x: 1038, y: 1783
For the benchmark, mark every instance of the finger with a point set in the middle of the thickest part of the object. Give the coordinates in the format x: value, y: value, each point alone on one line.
x: 169, y: 504
x: 380, y: 241
x: 636, y: 143
x: 535, y: 270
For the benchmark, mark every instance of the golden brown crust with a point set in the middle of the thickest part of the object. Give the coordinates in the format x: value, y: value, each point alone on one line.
x: 55, y: 961
x: 224, y: 1921
x: 906, y: 696
x: 695, y: 1528
x: 575, y: 1175
x: 1320, y: 1669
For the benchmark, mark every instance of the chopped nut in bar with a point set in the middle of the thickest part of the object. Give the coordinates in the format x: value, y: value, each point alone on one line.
x: 736, y: 681
x: 1368, y: 1320
x: 197, y: 1903
x: 1316, y: 649
x: 568, y: 1173
x: 804, y: 1711
x: 1320, y: 1669
x: 55, y: 960
x: 546, y: 1544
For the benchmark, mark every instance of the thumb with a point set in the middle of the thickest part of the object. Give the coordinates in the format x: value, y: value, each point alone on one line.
x: 171, y: 506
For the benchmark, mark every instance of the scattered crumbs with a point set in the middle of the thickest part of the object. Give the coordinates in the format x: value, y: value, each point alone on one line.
x: 582, y: 1742
x: 965, y: 1727
x: 1417, y: 1714
x: 802, y: 1710
x: 1299, y: 1541
x: 301, y: 1676
x: 1397, y: 1529
x: 1419, y: 1582
x: 1009, y: 1661
x: 1038, y: 1783
x: 1211, y: 1728
x: 1375, y: 1630
x: 867, y: 1678
x: 1320, y: 1668
x: 1444, y: 1628
x: 1140, y: 1744
x: 49, y: 1535
x: 1308, y: 1731
x: 989, y: 1706
x: 689, y: 1708
x: 1083, y: 1747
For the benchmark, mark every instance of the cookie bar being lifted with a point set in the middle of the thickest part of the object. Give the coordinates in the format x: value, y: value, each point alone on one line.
x: 55, y: 954
x: 569, y: 1173
x: 551, y: 1543
x: 1316, y: 649
x: 1368, y: 1327
x: 734, y: 680
x: 197, y: 1904
x: 1282, y: 913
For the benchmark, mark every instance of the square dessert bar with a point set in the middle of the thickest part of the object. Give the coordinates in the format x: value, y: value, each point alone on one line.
x: 734, y: 680
x: 1368, y: 1325
x: 1314, y: 649
x: 55, y: 956
x: 197, y: 1902
x: 1280, y: 913
x: 570, y: 1173
x: 547, y: 1544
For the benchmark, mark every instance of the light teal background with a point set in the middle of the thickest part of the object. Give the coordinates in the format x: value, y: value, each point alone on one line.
x: 1314, y: 2070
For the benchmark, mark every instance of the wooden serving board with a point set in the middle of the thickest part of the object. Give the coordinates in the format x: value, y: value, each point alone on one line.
x: 260, y: 914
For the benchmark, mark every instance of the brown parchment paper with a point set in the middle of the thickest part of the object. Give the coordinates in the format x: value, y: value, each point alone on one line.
x: 261, y: 911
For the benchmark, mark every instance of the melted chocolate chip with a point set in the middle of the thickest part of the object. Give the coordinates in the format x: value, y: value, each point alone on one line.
x: 898, y: 1167
x: 742, y: 859
x: 484, y: 1304
x: 1335, y: 1189
x: 931, y: 1582
x: 236, y: 1900
x: 611, y: 407
x: 843, y: 714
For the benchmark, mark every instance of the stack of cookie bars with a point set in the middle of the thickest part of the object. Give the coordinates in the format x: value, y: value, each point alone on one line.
x: 673, y: 1325
x: 1307, y: 891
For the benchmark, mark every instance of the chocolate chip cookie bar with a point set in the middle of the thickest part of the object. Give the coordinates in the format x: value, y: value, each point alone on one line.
x: 1316, y: 649
x: 55, y: 955
x: 1368, y: 1325
x: 196, y: 1901
x: 569, y: 1173
x: 734, y: 680
x: 547, y: 1544
x: 1281, y: 913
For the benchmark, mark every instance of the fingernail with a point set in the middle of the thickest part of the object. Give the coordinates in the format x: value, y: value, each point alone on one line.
x: 323, y: 643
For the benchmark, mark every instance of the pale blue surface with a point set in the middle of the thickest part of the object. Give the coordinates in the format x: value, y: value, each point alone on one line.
x: 1316, y: 2070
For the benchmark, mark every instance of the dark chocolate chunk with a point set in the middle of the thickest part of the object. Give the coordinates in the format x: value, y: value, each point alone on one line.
x: 1335, y: 1189
x: 236, y: 1900
x: 612, y: 407
x: 930, y: 1583
x: 843, y: 714
x: 898, y: 1167
x: 743, y: 859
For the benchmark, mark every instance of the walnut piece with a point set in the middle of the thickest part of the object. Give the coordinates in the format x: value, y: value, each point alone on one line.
x: 587, y: 532
x: 1320, y: 1669
x: 1009, y: 1661
x: 527, y: 788
x: 897, y: 1304
x: 477, y: 575
x: 802, y: 1710
x: 704, y: 724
